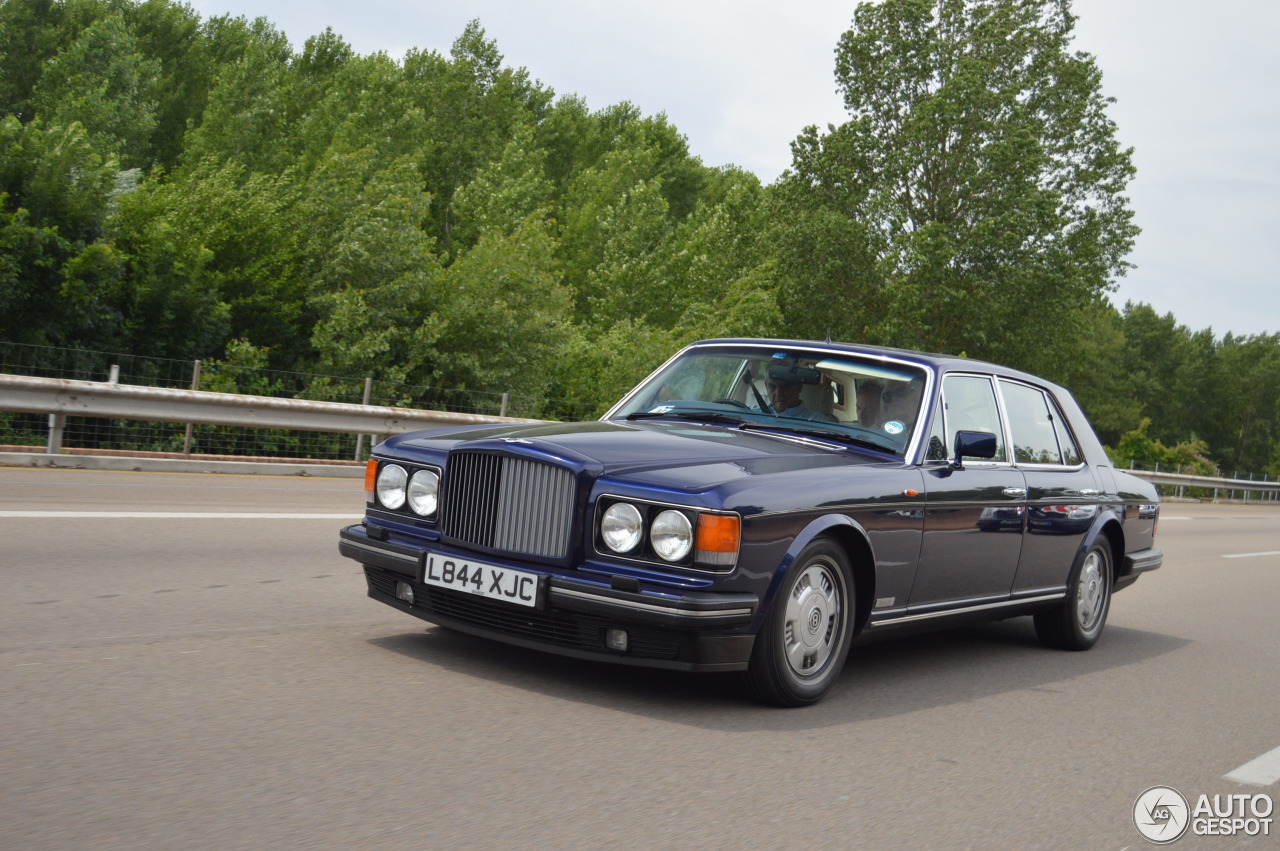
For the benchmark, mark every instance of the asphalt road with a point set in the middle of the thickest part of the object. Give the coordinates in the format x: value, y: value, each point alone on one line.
x: 215, y: 678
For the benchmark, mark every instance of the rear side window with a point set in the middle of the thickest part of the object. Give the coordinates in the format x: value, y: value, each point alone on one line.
x: 1070, y: 453
x: 1030, y: 425
x: 970, y: 404
x: 1038, y: 433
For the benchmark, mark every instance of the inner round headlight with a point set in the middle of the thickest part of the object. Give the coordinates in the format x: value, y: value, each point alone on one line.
x: 621, y: 527
x: 391, y: 482
x: 671, y: 535
x: 423, y: 488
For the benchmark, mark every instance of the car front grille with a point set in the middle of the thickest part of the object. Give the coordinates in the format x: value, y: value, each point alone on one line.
x: 507, y: 503
x: 563, y: 629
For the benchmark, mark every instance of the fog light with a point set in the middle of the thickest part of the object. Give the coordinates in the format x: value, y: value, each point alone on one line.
x: 404, y: 592
x: 616, y: 639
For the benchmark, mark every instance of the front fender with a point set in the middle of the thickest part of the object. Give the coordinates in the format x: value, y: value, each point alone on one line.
x: 843, y: 526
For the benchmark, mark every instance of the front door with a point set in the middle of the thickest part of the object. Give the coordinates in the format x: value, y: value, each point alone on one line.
x: 975, y: 516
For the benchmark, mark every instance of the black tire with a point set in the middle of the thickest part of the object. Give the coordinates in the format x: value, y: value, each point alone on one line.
x: 804, y: 642
x: 1077, y: 623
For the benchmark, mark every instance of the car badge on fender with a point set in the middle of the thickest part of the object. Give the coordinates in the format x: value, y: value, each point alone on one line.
x: 517, y: 440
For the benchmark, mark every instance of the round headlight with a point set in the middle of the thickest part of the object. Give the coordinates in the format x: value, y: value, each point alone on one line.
x: 621, y: 527
x: 391, y: 482
x: 423, y: 488
x: 671, y: 535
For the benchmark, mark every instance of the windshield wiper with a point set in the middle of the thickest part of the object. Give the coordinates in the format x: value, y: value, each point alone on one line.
x: 703, y: 416
x: 830, y: 434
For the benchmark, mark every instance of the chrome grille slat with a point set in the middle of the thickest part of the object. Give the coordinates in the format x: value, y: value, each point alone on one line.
x: 508, y: 503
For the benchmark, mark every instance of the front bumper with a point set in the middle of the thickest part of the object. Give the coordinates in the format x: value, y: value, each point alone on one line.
x: 692, y: 630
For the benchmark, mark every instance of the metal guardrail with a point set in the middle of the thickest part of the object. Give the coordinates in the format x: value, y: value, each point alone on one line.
x: 1184, y: 480
x: 63, y: 397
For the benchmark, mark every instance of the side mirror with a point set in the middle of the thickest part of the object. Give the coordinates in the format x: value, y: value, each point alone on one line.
x: 973, y: 444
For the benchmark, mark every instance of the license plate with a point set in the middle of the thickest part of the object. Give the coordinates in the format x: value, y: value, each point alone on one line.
x: 482, y: 580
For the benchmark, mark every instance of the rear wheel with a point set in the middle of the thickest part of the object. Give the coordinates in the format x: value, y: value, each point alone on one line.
x: 801, y: 649
x: 1076, y: 624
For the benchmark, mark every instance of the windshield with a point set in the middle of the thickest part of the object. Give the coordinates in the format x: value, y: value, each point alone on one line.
x: 868, y: 401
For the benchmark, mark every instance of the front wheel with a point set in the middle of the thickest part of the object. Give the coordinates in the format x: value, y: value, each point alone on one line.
x: 1076, y: 624
x: 801, y: 649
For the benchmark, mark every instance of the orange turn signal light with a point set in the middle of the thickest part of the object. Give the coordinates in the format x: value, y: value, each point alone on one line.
x: 370, y: 475
x: 718, y: 534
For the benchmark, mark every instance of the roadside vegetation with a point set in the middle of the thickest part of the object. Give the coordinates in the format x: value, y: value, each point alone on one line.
x: 188, y: 188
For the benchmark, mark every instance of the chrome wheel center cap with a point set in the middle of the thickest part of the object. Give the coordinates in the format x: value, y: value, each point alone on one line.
x: 815, y: 621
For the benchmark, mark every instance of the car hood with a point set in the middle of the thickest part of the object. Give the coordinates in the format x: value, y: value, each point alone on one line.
x: 661, y: 453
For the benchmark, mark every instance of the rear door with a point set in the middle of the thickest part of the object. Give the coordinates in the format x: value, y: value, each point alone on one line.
x: 1062, y: 493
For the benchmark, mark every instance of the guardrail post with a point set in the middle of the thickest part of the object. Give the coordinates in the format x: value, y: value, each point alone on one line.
x: 368, y: 389
x: 195, y: 385
x: 114, y: 377
x: 57, y: 422
x: 505, y: 398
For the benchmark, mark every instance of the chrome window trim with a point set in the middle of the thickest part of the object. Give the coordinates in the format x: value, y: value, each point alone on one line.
x: 1051, y: 468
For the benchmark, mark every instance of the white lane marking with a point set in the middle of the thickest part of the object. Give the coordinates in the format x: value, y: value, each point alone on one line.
x: 1262, y: 771
x: 171, y: 515
x: 1253, y: 555
x: 1163, y: 518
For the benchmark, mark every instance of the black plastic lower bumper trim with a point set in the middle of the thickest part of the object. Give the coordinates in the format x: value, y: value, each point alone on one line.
x: 565, y: 633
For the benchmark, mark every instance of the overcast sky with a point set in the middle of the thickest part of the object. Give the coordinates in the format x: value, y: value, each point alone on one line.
x: 1197, y: 91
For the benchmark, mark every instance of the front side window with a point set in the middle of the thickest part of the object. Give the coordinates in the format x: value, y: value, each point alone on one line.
x: 856, y: 399
x: 970, y: 405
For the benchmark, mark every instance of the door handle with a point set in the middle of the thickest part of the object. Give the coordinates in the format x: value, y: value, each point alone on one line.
x: 1090, y: 492
x: 1015, y: 492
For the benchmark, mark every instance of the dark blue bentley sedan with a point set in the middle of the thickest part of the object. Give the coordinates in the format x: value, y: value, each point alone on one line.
x: 756, y: 505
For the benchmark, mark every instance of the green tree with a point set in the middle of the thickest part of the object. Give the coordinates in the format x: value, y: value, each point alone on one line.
x: 1168, y: 372
x: 974, y: 200
x: 247, y: 115
x: 103, y: 82
x: 171, y: 34
x: 32, y: 32
x: 1244, y: 383
x: 503, y: 314
x: 240, y: 235
x: 56, y: 274
x: 473, y: 107
x: 505, y: 192
x: 1098, y: 371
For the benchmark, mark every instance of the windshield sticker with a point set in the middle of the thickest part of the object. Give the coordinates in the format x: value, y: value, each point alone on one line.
x: 894, y: 427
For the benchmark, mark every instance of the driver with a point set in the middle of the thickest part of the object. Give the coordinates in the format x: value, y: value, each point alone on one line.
x: 784, y: 398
